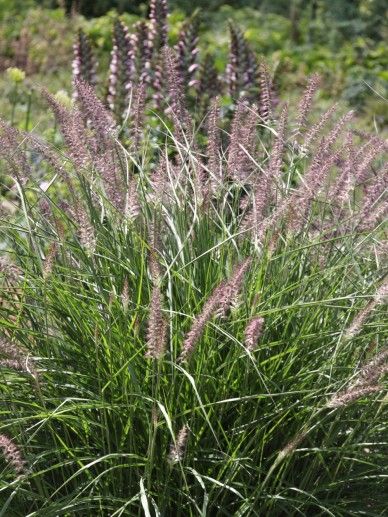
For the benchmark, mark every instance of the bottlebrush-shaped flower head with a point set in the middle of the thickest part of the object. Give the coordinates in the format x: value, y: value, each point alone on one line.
x: 84, y: 62
x: 187, y: 51
x: 121, y: 70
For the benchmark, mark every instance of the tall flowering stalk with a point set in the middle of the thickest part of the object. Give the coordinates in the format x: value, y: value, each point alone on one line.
x: 365, y: 383
x: 375, y: 192
x: 86, y: 233
x: 242, y: 68
x: 138, y: 113
x: 178, y: 447
x: 373, y: 217
x: 121, y: 69
x: 359, y: 320
x: 214, y: 163
x: 12, y: 454
x: 242, y: 141
x: 219, y: 303
x: 10, y: 139
x: 157, y: 38
x: 156, y: 41
x: 299, y: 204
x: 95, y: 113
x: 157, y: 325
x: 234, y: 62
x: 370, y: 373
x: 313, y: 131
x: 267, y: 182
x: 16, y: 357
x: 200, y: 321
x: 253, y: 332
x: 265, y: 96
x: 140, y: 51
x: 313, y: 181
x: 306, y: 102
x: 187, y: 51
x: 105, y: 152
x: 84, y: 63
x: 71, y: 126
x: 230, y: 292
x: 179, y: 114
x: 208, y: 84
x: 339, y: 192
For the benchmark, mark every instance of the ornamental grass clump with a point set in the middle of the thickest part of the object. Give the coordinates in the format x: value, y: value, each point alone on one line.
x: 208, y: 334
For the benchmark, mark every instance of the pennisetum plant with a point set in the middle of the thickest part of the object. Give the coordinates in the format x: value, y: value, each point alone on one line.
x: 201, y: 311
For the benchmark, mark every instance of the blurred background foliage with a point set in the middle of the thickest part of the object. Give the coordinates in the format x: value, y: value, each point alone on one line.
x: 344, y: 40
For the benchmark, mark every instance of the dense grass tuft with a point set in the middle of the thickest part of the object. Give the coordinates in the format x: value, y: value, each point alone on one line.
x: 194, y: 325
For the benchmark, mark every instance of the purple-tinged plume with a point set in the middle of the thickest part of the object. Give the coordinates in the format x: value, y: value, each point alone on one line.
x: 157, y: 326
x: 365, y: 156
x: 253, y: 332
x: 187, y: 51
x: 360, y: 318
x: 84, y: 63
x: 12, y: 151
x: 208, y: 85
x: 265, y: 96
x: 106, y: 153
x: 375, y: 192
x: 313, y: 132
x: 299, y: 203
x: 18, y: 355
x: 200, y: 321
x: 12, y: 454
x: 85, y: 229
x: 377, y: 214
x: 49, y: 260
x: 371, y: 372
x: 242, y: 141
x: 156, y: 41
x: 132, y: 203
x: 324, y: 158
x: 140, y: 51
x: 125, y: 295
x: 351, y: 395
x: 230, y: 292
x: 121, y: 70
x: 94, y: 112
x: 178, y: 447
x: 214, y: 163
x: 266, y: 184
x: 345, y: 180
x: 179, y: 113
x: 138, y: 113
x: 234, y: 62
x: 306, y: 102
x: 365, y: 383
x: 219, y: 303
x: 276, y: 156
x: 158, y: 24
x: 242, y: 68
x: 160, y: 182
x: 72, y: 129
